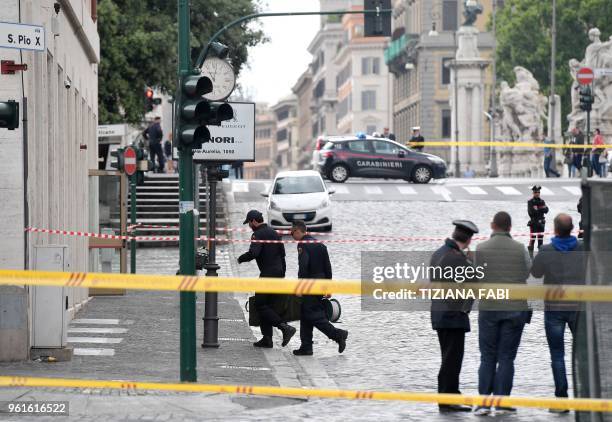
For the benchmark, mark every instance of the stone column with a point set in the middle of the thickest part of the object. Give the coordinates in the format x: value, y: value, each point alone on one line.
x: 470, y: 92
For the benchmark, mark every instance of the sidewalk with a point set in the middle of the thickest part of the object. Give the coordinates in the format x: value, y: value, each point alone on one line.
x: 140, y: 335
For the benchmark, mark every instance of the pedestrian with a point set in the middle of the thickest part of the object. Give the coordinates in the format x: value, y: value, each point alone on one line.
x: 270, y: 258
x: 168, y: 154
x: 598, y: 154
x: 416, y: 137
x: 313, y: 262
x: 563, y: 261
x: 238, y: 167
x: 577, y: 139
x: 568, y: 158
x: 580, y: 224
x: 500, y: 322
x: 537, y: 209
x: 450, y: 318
x: 155, y: 134
x: 548, y: 158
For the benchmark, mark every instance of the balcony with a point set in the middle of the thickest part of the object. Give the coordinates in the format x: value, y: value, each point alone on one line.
x: 401, y: 51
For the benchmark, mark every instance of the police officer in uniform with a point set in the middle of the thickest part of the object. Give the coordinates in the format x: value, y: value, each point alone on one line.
x: 450, y: 317
x: 314, y: 263
x: 416, y: 137
x: 270, y: 258
x: 536, y: 208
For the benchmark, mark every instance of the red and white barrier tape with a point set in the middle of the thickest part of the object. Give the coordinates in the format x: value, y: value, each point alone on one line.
x: 375, y: 239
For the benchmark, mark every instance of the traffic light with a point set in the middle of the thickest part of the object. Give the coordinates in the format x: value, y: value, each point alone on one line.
x: 195, y: 112
x: 586, y: 98
x: 377, y: 24
x: 9, y: 114
x: 120, y: 163
x: 149, y: 102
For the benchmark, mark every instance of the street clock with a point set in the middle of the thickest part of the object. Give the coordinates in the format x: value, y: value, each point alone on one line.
x: 222, y: 76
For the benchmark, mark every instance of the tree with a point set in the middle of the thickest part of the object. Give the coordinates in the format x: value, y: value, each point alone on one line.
x: 523, y: 30
x: 138, y: 48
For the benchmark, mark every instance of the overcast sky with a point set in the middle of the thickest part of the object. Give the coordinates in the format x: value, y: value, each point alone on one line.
x: 274, y: 67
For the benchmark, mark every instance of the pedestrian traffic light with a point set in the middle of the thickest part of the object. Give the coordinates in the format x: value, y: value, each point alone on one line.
x: 377, y: 24
x: 586, y: 98
x: 9, y: 114
x: 149, y: 101
x: 120, y: 163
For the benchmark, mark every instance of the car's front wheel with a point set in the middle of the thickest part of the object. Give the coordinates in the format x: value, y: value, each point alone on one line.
x: 339, y: 173
x: 421, y: 174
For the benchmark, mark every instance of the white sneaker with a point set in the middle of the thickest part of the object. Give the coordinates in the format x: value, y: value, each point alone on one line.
x: 482, y: 411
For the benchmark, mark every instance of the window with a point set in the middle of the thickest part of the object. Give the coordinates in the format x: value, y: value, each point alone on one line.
x: 449, y: 15
x: 446, y: 70
x: 294, y: 185
x: 368, y: 100
x: 344, y: 75
x: 319, y: 89
x: 370, y: 65
x: 382, y: 147
x: 322, y: 124
x: 282, y: 114
x: 446, y: 123
x: 281, y: 135
x: 358, y: 146
x: 343, y: 108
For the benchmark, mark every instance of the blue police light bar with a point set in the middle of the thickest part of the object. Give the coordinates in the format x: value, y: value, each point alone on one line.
x: 361, y: 135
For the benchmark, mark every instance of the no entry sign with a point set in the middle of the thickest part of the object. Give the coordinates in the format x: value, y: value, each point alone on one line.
x: 129, y: 161
x: 585, y: 76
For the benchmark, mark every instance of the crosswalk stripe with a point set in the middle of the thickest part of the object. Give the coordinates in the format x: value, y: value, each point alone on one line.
x: 78, y: 351
x: 373, y: 190
x: 100, y: 340
x: 341, y: 190
x: 475, y: 190
x: 574, y: 190
x: 240, y: 187
x: 98, y: 330
x: 547, y: 192
x: 406, y: 190
x: 508, y: 190
x: 441, y: 190
x: 95, y: 321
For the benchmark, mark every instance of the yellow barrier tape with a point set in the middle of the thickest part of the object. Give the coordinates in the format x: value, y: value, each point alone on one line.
x: 593, y: 405
x: 286, y: 286
x: 502, y: 144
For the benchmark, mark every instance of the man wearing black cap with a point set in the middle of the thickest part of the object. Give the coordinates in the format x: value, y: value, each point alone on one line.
x: 449, y: 317
x: 270, y: 259
x: 536, y: 208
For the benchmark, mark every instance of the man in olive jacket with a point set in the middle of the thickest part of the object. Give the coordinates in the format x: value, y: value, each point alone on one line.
x: 500, y: 322
x: 449, y: 317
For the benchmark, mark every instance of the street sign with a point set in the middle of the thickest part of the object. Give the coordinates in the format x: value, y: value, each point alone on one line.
x: 129, y: 161
x: 111, y: 130
x: 22, y: 37
x: 233, y: 140
x: 603, y: 72
x: 585, y: 76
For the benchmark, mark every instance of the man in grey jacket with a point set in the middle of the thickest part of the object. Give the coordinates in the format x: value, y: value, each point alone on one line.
x: 500, y: 322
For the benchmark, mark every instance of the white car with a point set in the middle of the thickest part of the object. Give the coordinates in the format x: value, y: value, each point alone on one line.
x: 299, y: 195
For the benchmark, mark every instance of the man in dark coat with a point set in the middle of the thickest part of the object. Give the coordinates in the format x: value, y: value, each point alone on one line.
x: 270, y: 258
x: 416, y: 137
x: 537, y: 210
x: 449, y: 317
x: 314, y: 263
x: 155, y: 134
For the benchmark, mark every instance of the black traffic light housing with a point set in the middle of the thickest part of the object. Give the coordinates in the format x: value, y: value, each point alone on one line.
x: 377, y: 24
x: 196, y: 112
x: 120, y: 164
x: 149, y: 101
x: 586, y: 98
x: 9, y: 114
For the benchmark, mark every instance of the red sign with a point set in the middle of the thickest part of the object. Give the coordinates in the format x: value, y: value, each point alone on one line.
x: 129, y: 161
x: 585, y: 76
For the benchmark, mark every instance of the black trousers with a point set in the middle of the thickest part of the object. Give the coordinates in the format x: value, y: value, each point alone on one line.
x: 452, y: 341
x: 539, y: 229
x: 157, y: 151
x: 267, y: 315
x: 313, y: 316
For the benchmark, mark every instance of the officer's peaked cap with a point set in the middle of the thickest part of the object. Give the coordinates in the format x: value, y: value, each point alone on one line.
x: 253, y: 215
x: 466, y: 225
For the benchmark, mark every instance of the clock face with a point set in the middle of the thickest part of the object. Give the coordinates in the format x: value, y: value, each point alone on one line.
x: 222, y: 77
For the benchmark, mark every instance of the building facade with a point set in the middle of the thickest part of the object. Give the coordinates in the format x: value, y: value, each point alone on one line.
x: 419, y: 55
x: 264, y: 166
x: 286, y: 132
x: 362, y: 80
x: 46, y: 161
x: 304, y: 142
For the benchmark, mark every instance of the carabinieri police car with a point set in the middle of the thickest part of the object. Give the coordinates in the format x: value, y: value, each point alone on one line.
x: 365, y: 156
